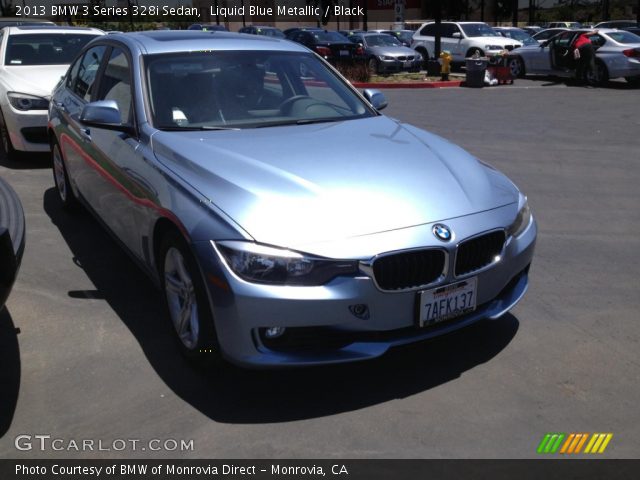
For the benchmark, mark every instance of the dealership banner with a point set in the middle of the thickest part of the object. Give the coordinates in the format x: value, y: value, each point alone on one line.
x: 317, y: 469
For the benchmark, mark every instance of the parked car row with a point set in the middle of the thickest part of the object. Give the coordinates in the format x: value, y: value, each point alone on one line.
x: 617, y: 55
x: 186, y: 145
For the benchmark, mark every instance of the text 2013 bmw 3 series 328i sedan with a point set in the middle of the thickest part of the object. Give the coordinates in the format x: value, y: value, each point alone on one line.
x: 286, y: 220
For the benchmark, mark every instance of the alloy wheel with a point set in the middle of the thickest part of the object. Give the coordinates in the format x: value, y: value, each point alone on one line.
x: 59, y: 174
x: 181, y: 298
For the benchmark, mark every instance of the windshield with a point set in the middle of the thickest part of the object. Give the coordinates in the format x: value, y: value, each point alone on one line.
x: 246, y: 89
x: 382, y: 41
x: 519, y: 35
x: 44, y: 48
x: 403, y: 35
x: 478, y: 30
x: 624, y: 37
x: 329, y: 37
x: 270, y: 32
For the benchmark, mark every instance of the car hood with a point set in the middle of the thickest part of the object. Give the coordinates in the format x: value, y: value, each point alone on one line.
x: 497, y: 40
x: 294, y: 185
x: 392, y: 51
x: 33, y: 79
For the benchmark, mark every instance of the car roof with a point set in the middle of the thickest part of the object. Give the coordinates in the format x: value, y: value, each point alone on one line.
x: 173, y: 41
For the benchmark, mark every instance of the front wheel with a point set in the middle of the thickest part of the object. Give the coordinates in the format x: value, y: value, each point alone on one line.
x: 474, y: 51
x: 373, y: 66
x: 186, y: 301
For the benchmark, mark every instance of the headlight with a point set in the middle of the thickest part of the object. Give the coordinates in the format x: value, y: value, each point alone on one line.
x: 493, y: 47
x: 24, y: 102
x: 386, y: 57
x: 522, y: 220
x: 262, y: 264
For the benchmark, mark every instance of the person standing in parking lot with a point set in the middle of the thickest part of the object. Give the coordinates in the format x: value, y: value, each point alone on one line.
x: 585, y: 56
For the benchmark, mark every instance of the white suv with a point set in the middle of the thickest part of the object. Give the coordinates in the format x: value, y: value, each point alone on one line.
x: 461, y: 39
x: 32, y: 59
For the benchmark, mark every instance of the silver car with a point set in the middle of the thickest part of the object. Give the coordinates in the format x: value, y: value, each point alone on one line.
x: 385, y: 53
x: 617, y: 55
x: 285, y: 219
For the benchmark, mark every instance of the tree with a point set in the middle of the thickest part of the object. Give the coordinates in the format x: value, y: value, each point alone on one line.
x: 7, y: 8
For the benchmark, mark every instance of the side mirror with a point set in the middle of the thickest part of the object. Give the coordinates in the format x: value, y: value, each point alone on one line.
x: 456, y: 35
x: 103, y: 114
x: 376, y: 98
x: 544, y: 44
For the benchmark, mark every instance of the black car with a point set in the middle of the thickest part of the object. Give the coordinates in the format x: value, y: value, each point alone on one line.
x: 404, y: 36
x: 289, y: 32
x: 333, y: 46
x: 208, y: 27
x: 635, y: 30
x: 259, y: 30
x: 11, y: 238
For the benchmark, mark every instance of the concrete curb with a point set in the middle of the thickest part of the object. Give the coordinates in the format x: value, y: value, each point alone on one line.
x: 451, y: 83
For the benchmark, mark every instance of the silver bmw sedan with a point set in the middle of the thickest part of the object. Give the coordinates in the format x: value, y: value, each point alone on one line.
x: 286, y: 221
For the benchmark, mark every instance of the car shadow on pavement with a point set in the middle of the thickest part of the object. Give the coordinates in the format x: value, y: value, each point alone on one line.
x: 232, y: 395
x: 9, y: 370
x: 26, y: 161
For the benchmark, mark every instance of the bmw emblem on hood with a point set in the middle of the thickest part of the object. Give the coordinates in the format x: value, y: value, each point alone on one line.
x: 442, y: 232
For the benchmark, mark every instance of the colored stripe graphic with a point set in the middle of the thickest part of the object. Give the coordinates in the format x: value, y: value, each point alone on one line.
x: 551, y: 442
x: 598, y: 443
x: 572, y: 443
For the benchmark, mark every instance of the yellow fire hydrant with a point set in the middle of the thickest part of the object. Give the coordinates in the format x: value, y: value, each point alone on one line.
x: 445, y: 64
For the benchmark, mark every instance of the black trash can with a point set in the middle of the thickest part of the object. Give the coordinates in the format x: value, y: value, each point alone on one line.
x: 476, y: 67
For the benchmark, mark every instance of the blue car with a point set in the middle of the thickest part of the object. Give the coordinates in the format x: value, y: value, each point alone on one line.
x: 285, y: 219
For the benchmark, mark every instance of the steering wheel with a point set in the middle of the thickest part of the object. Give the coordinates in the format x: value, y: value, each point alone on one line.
x: 286, y: 106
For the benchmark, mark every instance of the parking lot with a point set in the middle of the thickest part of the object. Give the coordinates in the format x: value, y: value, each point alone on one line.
x: 85, y: 352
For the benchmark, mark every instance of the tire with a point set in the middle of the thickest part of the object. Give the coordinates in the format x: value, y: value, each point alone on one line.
x: 601, y: 77
x: 187, y: 302
x: 61, y: 179
x: 633, y: 81
x: 425, y: 57
x: 373, y: 66
x: 472, y: 51
x: 5, y: 139
x: 516, y: 65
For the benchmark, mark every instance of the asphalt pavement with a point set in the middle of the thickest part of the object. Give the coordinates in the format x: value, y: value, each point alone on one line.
x: 85, y: 353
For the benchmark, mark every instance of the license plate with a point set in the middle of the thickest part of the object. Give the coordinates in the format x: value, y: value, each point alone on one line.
x: 344, y: 53
x: 408, y: 64
x: 449, y: 301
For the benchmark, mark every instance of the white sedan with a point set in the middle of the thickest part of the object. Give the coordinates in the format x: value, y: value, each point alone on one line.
x: 32, y: 61
x: 617, y: 55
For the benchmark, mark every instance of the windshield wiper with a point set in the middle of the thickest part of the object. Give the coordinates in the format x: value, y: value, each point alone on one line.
x: 194, y: 128
x: 307, y: 121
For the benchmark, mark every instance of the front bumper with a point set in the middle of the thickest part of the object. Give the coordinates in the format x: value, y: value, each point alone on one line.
x: 398, y: 65
x: 243, y: 310
x: 27, y: 129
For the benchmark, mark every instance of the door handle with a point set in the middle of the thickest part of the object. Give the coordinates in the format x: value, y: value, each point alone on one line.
x: 60, y: 105
x: 85, y: 133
